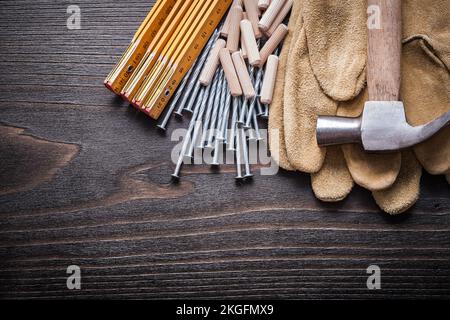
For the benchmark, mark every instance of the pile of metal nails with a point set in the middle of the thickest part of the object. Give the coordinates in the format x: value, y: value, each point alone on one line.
x: 225, y: 102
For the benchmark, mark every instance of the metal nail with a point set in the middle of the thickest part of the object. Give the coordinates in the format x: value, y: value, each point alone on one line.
x: 251, y: 135
x: 193, y: 98
x: 243, y: 113
x: 266, y: 111
x: 163, y: 124
x: 193, y: 81
x: 259, y: 86
x: 256, y: 126
x: 222, y: 111
x: 248, y: 173
x: 205, y: 102
x: 199, y: 109
x: 226, y: 116
x: 239, y: 175
x: 232, y: 135
x: 217, y: 147
x: 215, y: 114
x: 198, y: 122
x: 211, y: 99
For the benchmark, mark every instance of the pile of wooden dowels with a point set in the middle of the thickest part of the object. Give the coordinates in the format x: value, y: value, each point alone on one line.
x: 231, y: 84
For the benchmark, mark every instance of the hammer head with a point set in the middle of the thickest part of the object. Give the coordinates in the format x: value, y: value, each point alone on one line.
x: 384, y: 127
x: 381, y: 128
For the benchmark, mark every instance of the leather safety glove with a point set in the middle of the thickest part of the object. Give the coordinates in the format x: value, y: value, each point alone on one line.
x: 323, y: 69
x: 325, y: 75
x: 426, y: 76
x: 276, y: 118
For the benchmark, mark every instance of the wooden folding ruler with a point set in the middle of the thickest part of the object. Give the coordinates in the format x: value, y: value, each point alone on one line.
x: 148, y: 30
x: 171, y: 52
x: 169, y: 32
x: 158, y: 99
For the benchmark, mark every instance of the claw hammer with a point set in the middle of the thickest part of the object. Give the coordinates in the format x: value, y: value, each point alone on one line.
x: 383, y: 126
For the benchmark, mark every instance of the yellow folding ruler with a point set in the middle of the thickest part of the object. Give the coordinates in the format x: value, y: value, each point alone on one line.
x: 172, y: 27
x: 148, y: 30
x: 170, y: 53
x: 157, y: 99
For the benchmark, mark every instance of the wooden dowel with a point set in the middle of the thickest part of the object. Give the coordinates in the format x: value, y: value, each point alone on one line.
x: 230, y: 73
x: 212, y: 63
x: 251, y: 7
x: 280, y: 18
x: 250, y: 43
x: 263, y: 4
x: 226, y: 25
x: 271, y: 13
x: 273, y: 42
x: 243, y: 76
x: 243, y: 48
x: 234, y: 34
x: 269, y: 80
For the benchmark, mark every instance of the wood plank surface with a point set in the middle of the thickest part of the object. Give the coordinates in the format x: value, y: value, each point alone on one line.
x: 85, y: 180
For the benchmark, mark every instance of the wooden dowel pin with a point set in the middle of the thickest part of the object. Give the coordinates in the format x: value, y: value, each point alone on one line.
x: 209, y: 70
x: 273, y: 42
x: 269, y: 80
x: 263, y: 4
x: 230, y: 73
x: 243, y: 76
x: 243, y: 48
x: 234, y: 34
x: 280, y: 17
x: 250, y: 43
x: 226, y: 25
x: 251, y: 7
x: 271, y: 13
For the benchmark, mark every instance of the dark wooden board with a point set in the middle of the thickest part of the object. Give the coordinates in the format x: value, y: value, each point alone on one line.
x: 85, y: 180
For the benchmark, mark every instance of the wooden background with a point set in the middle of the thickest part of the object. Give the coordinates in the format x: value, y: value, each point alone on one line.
x: 85, y: 180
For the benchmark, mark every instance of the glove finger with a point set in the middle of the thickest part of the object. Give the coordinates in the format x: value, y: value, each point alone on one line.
x: 371, y: 171
x: 426, y: 95
x: 276, y: 119
x: 303, y: 102
x: 429, y: 19
x: 406, y: 190
x: 336, y: 33
x: 333, y: 182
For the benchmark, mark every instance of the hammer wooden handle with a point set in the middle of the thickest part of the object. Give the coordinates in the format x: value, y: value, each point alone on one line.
x: 230, y: 73
x: 384, y: 50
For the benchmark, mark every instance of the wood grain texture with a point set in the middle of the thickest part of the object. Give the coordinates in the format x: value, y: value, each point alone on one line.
x: 85, y: 180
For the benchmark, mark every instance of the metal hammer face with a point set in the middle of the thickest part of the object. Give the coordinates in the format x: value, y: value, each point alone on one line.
x: 381, y: 128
